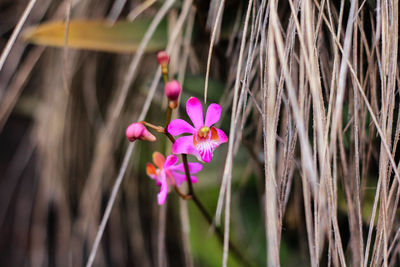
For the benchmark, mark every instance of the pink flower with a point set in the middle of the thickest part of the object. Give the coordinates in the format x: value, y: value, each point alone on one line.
x: 138, y: 131
x: 168, y: 173
x: 203, y: 138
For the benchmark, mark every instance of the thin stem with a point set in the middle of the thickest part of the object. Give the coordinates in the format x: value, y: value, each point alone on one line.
x: 182, y: 195
x: 170, y: 137
x: 218, y: 230
x: 207, y: 216
x: 192, y: 195
x: 164, y: 71
x: 165, y: 77
x: 169, y: 115
x: 186, y: 165
x: 159, y: 129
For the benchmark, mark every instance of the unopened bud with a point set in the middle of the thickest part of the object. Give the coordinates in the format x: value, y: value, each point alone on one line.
x: 163, y: 58
x: 172, y: 90
x: 138, y: 131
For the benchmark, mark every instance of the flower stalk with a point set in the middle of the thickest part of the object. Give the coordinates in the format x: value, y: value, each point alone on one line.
x: 191, y: 195
x: 169, y: 116
x: 186, y: 165
x: 203, y: 138
x: 163, y: 60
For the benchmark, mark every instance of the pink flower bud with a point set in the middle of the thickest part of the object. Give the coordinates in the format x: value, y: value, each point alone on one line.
x: 138, y: 131
x: 173, y: 90
x: 163, y: 58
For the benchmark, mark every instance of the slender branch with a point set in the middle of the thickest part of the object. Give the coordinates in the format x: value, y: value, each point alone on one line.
x: 218, y: 230
x: 187, y: 172
x: 159, y: 129
x: 207, y: 216
x: 182, y: 195
x: 165, y: 77
x: 170, y: 137
x: 169, y: 115
x: 191, y: 194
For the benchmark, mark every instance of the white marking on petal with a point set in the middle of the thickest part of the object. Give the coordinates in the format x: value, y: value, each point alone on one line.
x: 206, y: 148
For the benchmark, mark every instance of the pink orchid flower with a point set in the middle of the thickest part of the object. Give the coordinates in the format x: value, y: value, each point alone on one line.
x: 203, y: 138
x: 168, y: 173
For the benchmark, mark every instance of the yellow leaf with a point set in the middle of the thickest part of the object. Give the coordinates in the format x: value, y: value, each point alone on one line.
x: 121, y: 37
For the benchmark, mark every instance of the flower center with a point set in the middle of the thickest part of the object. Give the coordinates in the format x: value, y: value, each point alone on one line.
x: 203, y: 132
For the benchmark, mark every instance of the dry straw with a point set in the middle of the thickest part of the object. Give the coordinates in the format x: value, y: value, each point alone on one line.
x: 311, y: 95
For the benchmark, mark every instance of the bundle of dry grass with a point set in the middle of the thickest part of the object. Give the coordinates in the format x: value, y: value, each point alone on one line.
x: 309, y: 93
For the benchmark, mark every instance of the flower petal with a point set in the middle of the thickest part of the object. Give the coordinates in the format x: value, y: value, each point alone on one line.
x: 222, y: 136
x: 184, y: 145
x: 194, y: 179
x: 178, y: 126
x: 150, y: 170
x: 213, y: 114
x: 180, y: 178
x: 162, y: 196
x: 159, y: 160
x: 171, y: 160
x: 206, y: 155
x: 205, y: 149
x: 195, y: 112
x: 194, y: 167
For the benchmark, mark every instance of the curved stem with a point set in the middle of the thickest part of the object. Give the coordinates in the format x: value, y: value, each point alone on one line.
x: 207, y: 216
x: 186, y: 165
x: 169, y: 114
x: 218, y: 230
x: 165, y: 77
x: 182, y: 195
x: 192, y: 195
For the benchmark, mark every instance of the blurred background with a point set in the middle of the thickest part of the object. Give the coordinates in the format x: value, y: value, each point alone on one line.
x: 312, y: 177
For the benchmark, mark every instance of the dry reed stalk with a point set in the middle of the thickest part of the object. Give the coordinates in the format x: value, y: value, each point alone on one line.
x: 116, y: 10
x: 17, y: 30
x: 122, y: 170
x: 324, y: 73
x: 161, y: 251
x: 15, y: 83
x: 225, y: 190
x: 14, y: 172
x: 64, y: 66
x: 104, y: 145
x: 140, y: 9
x: 185, y: 224
x: 16, y: 86
x: 216, y: 25
x: 269, y: 132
